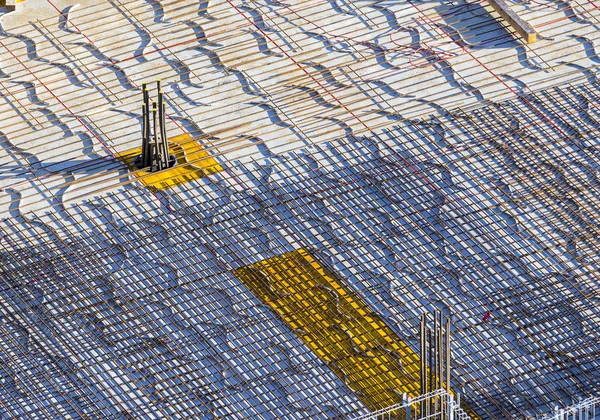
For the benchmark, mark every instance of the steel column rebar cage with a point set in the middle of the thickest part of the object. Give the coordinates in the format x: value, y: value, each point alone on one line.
x: 444, y: 407
x: 586, y: 409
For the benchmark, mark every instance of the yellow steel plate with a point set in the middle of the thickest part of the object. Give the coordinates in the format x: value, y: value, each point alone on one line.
x: 337, y: 326
x: 192, y: 163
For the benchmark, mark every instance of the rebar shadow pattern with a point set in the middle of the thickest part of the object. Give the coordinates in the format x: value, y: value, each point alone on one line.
x: 417, y: 193
x: 510, y: 236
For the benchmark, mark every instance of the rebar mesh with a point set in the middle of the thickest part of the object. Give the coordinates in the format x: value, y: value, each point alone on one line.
x: 422, y: 172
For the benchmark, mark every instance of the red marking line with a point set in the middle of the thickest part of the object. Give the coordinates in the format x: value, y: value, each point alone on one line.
x: 56, y: 97
x: 68, y: 21
x: 525, y: 101
x: 326, y: 90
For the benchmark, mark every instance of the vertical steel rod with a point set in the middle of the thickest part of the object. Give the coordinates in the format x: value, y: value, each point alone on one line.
x: 423, y: 361
x: 164, y: 147
x: 448, y: 355
x: 440, y: 352
x: 155, y: 151
x: 163, y: 130
x: 160, y: 149
x: 146, y: 142
x: 144, y: 138
x: 439, y: 360
x: 433, y: 357
x: 430, y: 384
x: 434, y: 344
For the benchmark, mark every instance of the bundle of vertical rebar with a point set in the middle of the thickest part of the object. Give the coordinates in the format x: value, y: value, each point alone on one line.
x: 155, y: 145
x: 436, y: 359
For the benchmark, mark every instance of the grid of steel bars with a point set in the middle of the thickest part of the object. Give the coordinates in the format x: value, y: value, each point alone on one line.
x: 530, y: 303
x: 538, y: 215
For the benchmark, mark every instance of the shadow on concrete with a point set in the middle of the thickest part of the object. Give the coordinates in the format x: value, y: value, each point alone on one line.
x: 473, y: 26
